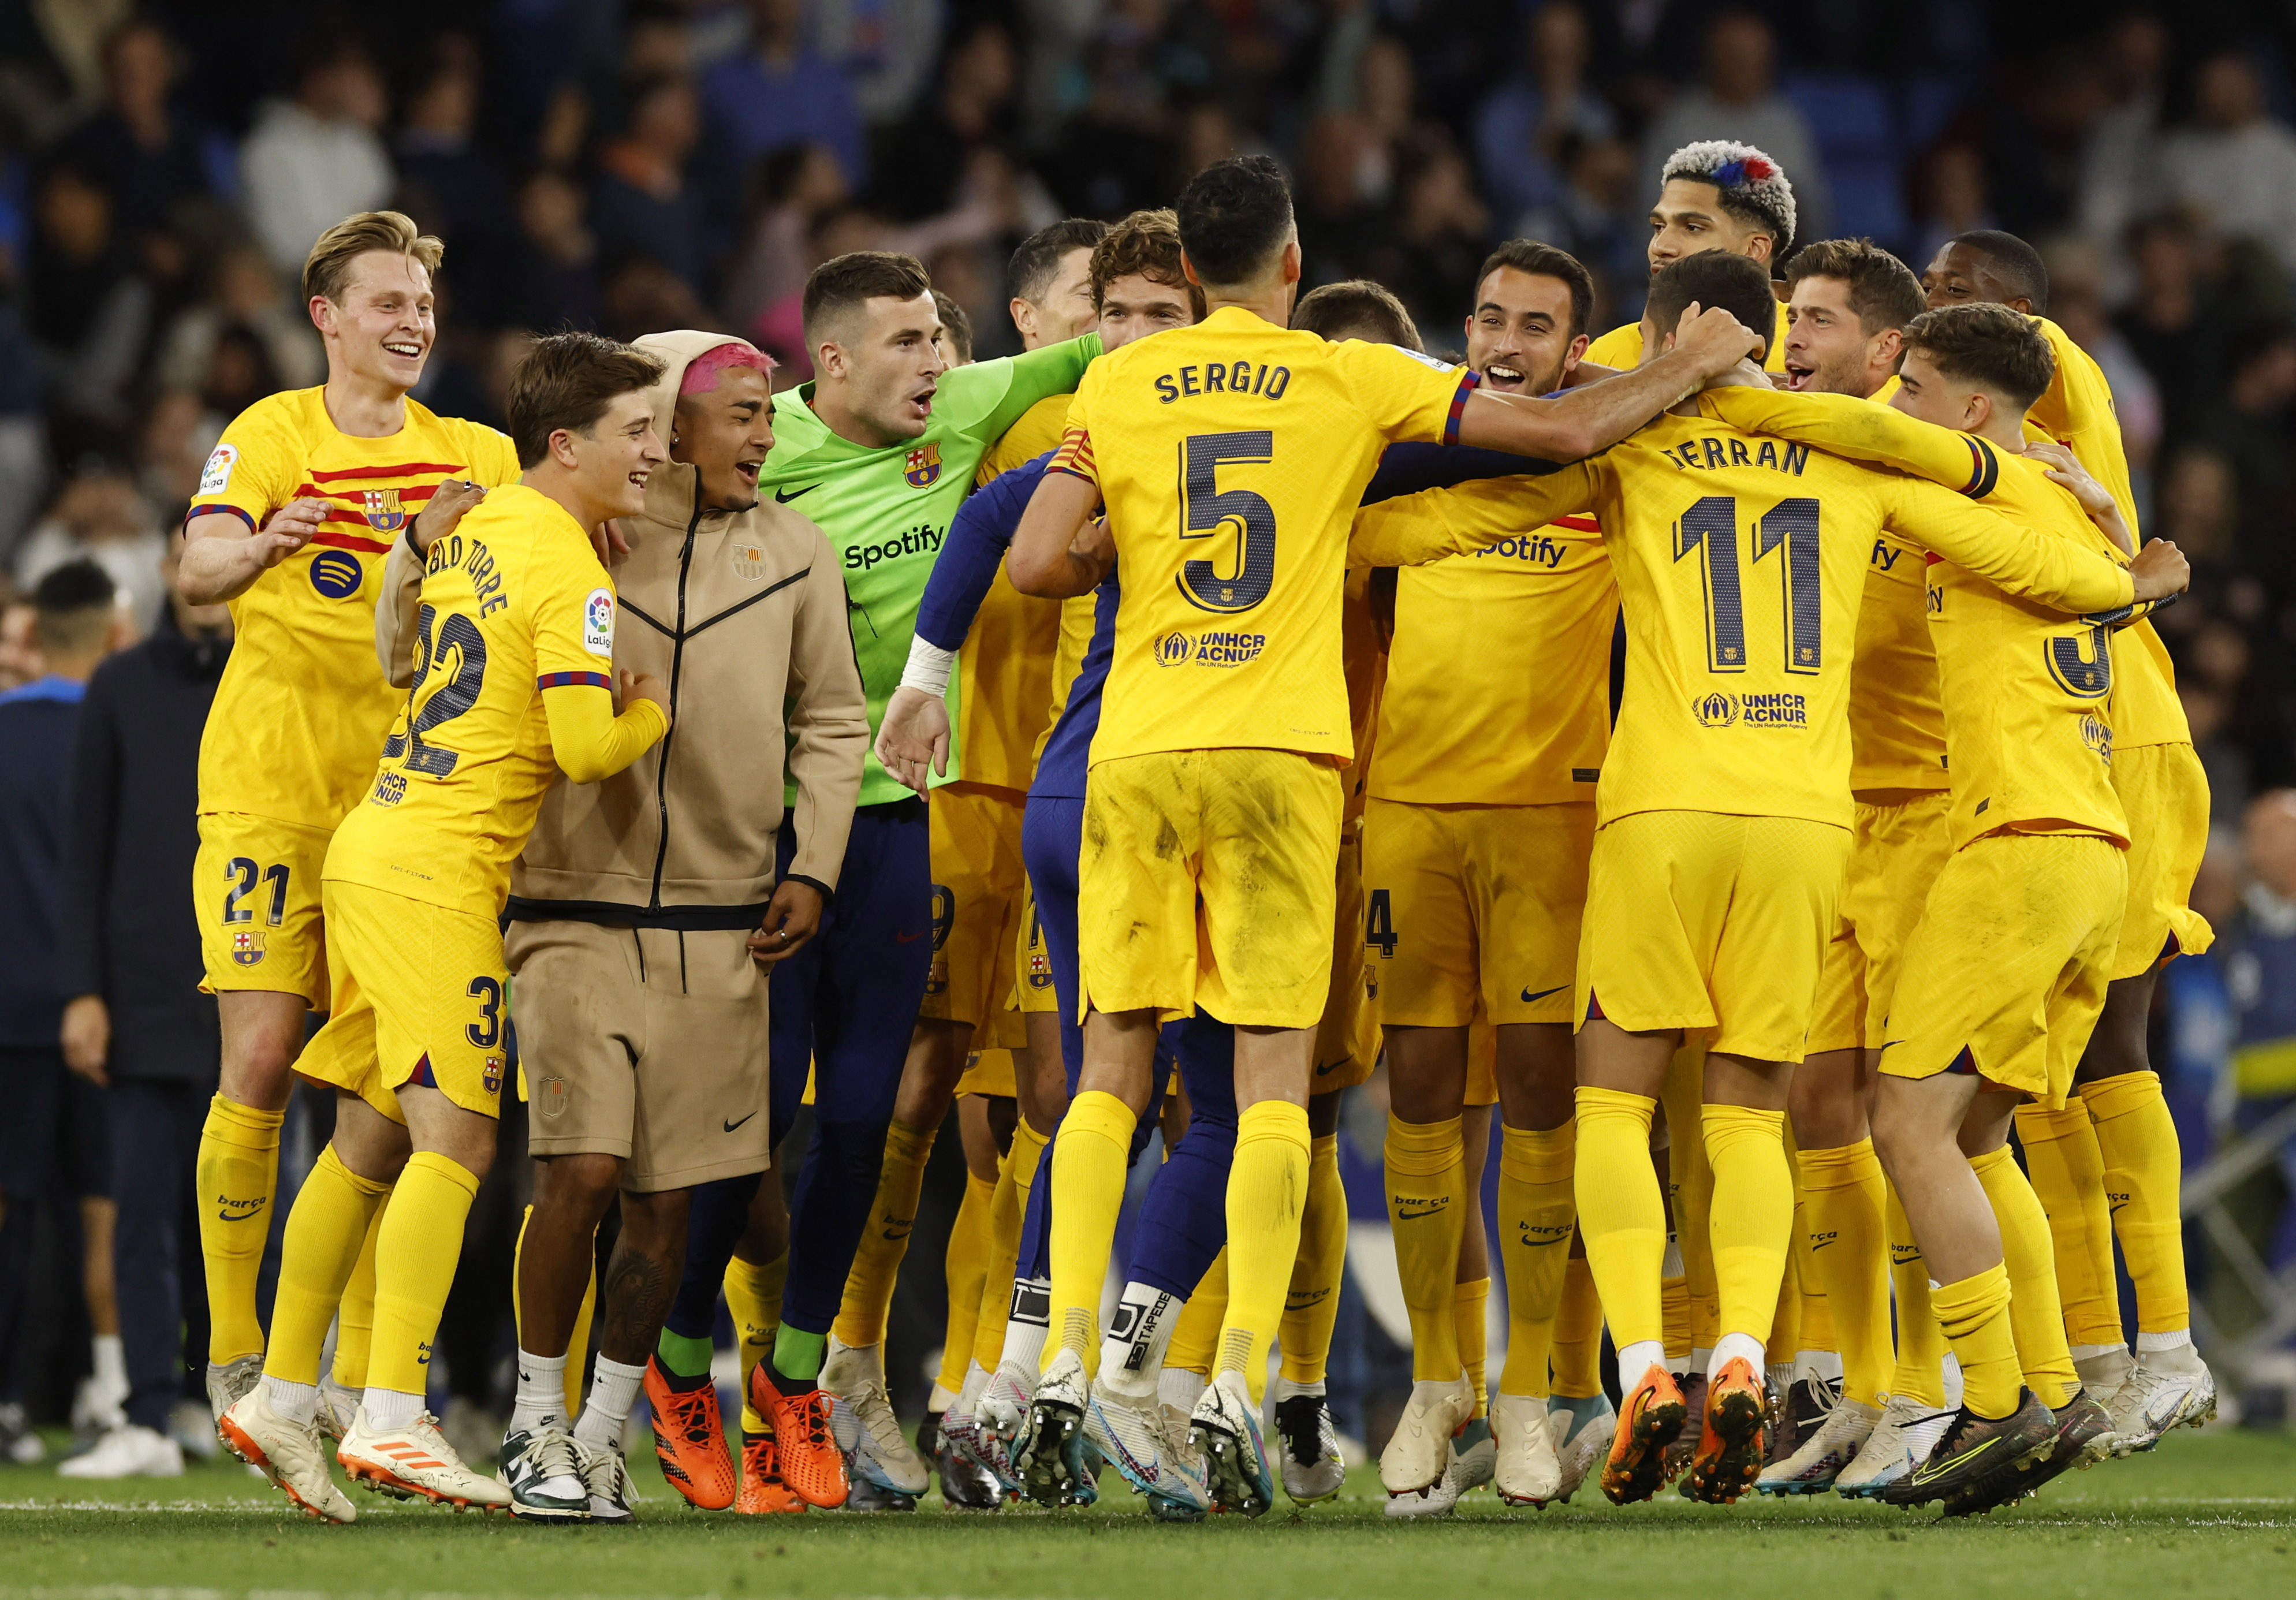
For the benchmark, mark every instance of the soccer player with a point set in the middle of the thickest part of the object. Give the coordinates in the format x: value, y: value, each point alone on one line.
x: 1213, y: 772
x: 1003, y: 704
x: 1715, y: 194
x: 880, y: 447
x: 1726, y: 786
x: 2007, y: 972
x: 297, y: 508
x: 515, y: 640
x: 645, y: 922
x: 2115, y: 1134
x: 1481, y: 815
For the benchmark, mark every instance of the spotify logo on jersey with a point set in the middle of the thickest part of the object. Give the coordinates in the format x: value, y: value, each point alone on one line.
x: 336, y: 574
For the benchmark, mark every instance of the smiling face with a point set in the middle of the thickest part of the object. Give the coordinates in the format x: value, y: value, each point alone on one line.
x: 612, y: 459
x: 1135, y: 306
x: 881, y: 367
x: 380, y: 327
x: 724, y: 433
x: 1827, y: 350
x: 1520, y: 340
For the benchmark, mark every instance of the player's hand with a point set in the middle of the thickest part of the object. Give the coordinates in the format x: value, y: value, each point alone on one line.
x: 444, y: 508
x: 290, y: 528
x: 1747, y: 374
x: 913, y: 736
x: 2159, y: 571
x: 1715, y: 340
x: 634, y: 686
x: 792, y: 916
x: 87, y: 1038
x: 612, y: 544
x: 2065, y: 468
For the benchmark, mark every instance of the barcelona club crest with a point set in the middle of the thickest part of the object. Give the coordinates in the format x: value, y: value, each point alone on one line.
x: 247, y: 947
x: 384, y: 513
x: 491, y: 1077
x: 924, y: 469
x: 1040, y: 970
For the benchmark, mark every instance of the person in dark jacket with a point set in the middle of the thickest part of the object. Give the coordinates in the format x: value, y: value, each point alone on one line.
x: 52, y: 1136
x: 137, y: 1023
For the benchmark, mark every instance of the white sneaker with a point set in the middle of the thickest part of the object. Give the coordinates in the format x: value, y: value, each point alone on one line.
x: 2102, y: 1375
x: 1527, y: 1471
x: 338, y: 1404
x: 1225, y: 1427
x: 1000, y: 1425
x: 229, y: 1384
x: 606, y: 1472
x: 544, y: 1475
x: 1148, y: 1443
x: 1584, y: 1427
x: 290, y: 1454
x: 856, y: 1374
x: 127, y: 1451
x: 1465, y: 1469
x: 1419, y: 1452
x: 1900, y: 1441
x: 414, y: 1460
x: 2160, y: 1395
x: 1825, y: 1452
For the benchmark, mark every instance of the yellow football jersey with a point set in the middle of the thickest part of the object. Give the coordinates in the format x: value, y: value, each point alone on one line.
x: 1739, y: 561
x: 514, y: 605
x: 1364, y: 661
x: 1897, y: 726
x: 302, y: 707
x: 1231, y: 456
x: 1003, y: 672
x: 1499, y: 681
x: 1622, y: 347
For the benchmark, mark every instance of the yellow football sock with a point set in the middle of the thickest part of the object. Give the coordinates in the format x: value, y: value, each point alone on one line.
x: 1752, y: 1222
x: 1426, y: 1205
x: 967, y: 1267
x: 1265, y: 1188
x: 1973, y: 1315
x: 753, y: 1299
x: 355, y: 1313
x: 1921, y: 1343
x: 1015, y: 1175
x: 577, y: 1338
x: 1578, y: 1352
x: 1088, y: 1161
x: 2036, y: 1316
x: 1469, y: 1316
x: 1195, y: 1337
x: 1674, y: 1311
x: 2144, y: 1162
x: 326, y: 1230
x: 414, y: 1261
x: 1311, y: 1306
x: 869, y: 1281
x: 1845, y: 1215
x: 2066, y: 1168
x: 1621, y: 1216
x: 237, y: 1174
x: 1537, y: 1214
x: 1814, y: 1317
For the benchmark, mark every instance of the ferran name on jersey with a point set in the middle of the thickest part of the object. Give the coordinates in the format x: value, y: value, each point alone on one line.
x: 1221, y: 377
x: 472, y: 556
x: 1699, y: 454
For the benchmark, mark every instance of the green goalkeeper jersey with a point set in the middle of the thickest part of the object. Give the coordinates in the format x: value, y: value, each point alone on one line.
x: 886, y: 510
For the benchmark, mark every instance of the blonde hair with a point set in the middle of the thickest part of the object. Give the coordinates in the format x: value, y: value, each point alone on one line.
x: 328, y: 268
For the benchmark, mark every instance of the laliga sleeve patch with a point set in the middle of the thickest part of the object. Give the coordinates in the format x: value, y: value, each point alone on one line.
x: 215, y: 476
x: 598, y: 622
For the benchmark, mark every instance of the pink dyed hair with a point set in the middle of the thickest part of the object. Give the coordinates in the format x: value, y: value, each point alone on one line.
x: 702, y: 372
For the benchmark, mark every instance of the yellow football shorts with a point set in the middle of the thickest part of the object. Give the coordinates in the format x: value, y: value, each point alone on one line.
x: 1346, y: 1040
x: 987, y: 1072
x: 977, y: 881
x: 1700, y: 921
x: 421, y: 995
x: 1207, y: 878
x: 1474, y: 910
x: 255, y: 886
x: 2011, y: 960
x: 1896, y: 852
x: 2165, y: 793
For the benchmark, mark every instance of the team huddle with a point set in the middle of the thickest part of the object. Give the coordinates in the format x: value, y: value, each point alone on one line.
x: 1158, y: 730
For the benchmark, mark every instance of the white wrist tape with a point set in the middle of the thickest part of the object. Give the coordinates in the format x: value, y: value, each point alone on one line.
x: 928, y: 667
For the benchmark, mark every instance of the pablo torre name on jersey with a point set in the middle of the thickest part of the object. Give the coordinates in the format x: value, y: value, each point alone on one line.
x: 446, y: 552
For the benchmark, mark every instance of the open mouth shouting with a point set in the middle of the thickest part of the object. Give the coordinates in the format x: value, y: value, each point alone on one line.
x: 919, y: 404
x: 747, y: 472
x: 1800, y: 371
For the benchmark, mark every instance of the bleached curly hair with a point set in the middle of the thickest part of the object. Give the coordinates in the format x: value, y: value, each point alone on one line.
x: 1753, y: 188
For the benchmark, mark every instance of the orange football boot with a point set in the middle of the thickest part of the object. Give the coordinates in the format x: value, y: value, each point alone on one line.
x: 805, y: 1450
x: 763, y: 1492
x: 689, y: 1439
x: 1731, y: 1444
x: 1649, y: 1418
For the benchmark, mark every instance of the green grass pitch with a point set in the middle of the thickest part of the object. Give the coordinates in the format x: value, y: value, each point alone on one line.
x: 2209, y: 1515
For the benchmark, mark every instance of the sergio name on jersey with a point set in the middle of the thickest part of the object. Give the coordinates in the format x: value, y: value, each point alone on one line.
x: 516, y: 608
x: 303, y: 704
x: 1231, y: 456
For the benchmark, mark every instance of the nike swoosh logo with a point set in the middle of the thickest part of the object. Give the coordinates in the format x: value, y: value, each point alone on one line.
x: 1539, y: 1243
x: 1890, y: 1044
x: 730, y: 1127
x: 1527, y: 997
x: 1926, y: 1474
x: 239, y: 1217
x: 906, y: 939
x: 1418, y: 1216
x: 1334, y: 1067
x: 782, y: 497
